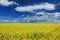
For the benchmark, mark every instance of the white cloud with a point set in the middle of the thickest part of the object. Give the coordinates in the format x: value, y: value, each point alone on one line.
x: 57, y: 14
x: 46, y: 17
x: 40, y: 13
x: 46, y: 6
x: 7, y: 3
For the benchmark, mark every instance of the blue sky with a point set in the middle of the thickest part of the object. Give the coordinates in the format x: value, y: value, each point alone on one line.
x: 29, y: 10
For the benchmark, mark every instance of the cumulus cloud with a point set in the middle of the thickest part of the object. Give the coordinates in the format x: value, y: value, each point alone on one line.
x: 38, y: 17
x: 46, y: 6
x: 7, y: 3
x: 46, y: 17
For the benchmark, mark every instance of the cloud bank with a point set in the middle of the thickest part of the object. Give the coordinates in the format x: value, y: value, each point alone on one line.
x: 29, y: 8
x: 46, y: 17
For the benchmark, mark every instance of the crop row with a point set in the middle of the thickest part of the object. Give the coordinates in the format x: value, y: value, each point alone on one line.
x: 29, y: 36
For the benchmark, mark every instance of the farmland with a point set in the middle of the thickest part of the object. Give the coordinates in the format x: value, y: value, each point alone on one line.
x: 29, y: 31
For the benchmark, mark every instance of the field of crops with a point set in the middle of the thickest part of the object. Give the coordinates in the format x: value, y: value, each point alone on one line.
x: 29, y: 31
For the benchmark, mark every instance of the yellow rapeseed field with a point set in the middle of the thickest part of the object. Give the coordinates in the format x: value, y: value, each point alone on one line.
x: 29, y: 31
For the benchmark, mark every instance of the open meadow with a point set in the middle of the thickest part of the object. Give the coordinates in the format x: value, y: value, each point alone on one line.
x: 29, y: 31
